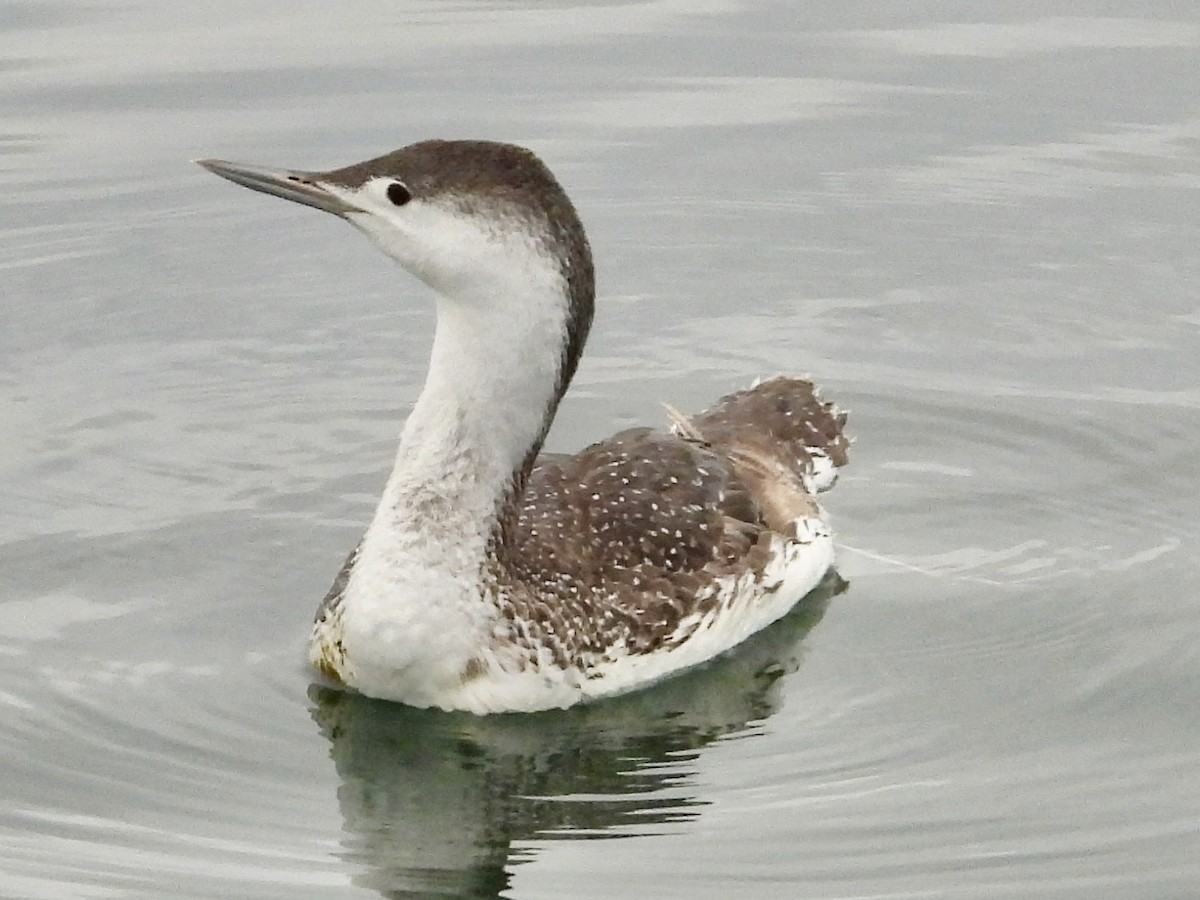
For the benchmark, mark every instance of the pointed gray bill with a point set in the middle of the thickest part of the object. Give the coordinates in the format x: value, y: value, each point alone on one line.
x: 302, y: 187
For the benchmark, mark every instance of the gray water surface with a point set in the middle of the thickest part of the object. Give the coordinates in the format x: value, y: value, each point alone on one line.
x: 974, y: 224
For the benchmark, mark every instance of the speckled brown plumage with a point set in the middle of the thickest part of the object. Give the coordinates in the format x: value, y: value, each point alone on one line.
x: 783, y: 415
x: 613, y: 548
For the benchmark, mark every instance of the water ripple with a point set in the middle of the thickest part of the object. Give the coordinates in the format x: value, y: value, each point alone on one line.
x: 225, y: 792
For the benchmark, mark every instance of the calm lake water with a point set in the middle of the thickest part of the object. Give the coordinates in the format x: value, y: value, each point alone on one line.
x: 974, y: 224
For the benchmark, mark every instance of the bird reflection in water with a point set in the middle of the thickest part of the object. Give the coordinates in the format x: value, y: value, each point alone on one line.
x: 445, y: 804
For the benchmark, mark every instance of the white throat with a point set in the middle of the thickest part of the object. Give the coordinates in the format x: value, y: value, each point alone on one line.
x: 492, y: 387
x: 490, y: 390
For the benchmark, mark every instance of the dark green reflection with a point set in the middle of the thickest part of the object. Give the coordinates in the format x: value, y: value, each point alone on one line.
x: 437, y: 804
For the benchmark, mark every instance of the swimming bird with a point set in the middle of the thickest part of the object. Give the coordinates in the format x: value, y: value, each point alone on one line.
x: 495, y: 578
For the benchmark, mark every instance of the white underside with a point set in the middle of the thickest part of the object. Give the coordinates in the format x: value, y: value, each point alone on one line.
x: 745, y: 605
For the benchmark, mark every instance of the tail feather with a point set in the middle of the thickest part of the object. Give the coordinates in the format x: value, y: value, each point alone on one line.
x: 780, y: 423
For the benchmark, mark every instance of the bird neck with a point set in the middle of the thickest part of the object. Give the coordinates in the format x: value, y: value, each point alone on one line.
x: 498, y: 368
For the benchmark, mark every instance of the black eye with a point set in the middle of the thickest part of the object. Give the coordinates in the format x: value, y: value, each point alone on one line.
x: 398, y: 193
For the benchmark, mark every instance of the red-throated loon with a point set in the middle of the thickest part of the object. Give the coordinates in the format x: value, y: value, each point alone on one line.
x: 493, y: 579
